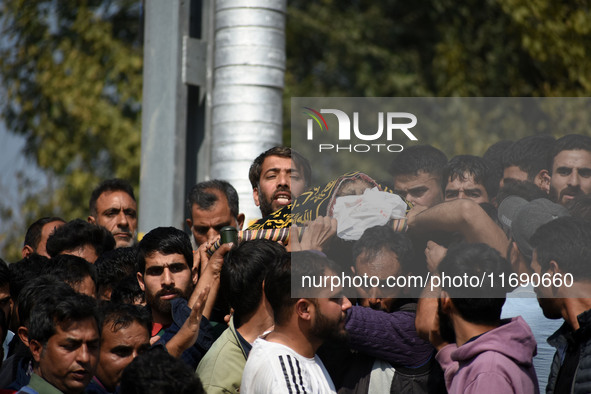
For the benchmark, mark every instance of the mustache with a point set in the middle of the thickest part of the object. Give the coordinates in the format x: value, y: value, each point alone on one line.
x: 282, y: 189
x: 571, y: 190
x: 168, y: 291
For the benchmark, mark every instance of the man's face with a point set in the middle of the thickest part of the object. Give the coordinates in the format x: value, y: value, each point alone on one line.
x: 68, y: 360
x: 206, y: 224
x: 118, y: 349
x: 513, y: 173
x: 279, y: 184
x: 571, y: 175
x: 384, y: 264
x: 46, y: 231
x: 465, y: 188
x: 329, y: 317
x: 549, y: 304
x: 117, y: 212
x: 165, y: 278
x: 423, y: 189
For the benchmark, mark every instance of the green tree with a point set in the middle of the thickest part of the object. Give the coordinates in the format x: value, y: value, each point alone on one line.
x: 72, y: 76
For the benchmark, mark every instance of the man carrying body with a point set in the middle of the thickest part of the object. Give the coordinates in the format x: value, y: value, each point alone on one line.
x: 125, y: 334
x: 112, y: 205
x: 37, y: 234
x: 64, y: 340
x: 418, y: 173
x: 284, y: 360
x: 242, y: 277
x: 213, y: 205
x: 571, y: 168
x: 278, y: 176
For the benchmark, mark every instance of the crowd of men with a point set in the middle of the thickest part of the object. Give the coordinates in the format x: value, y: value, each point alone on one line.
x: 90, y: 308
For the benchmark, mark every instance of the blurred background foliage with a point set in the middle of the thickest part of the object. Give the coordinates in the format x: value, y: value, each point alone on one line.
x: 71, y: 76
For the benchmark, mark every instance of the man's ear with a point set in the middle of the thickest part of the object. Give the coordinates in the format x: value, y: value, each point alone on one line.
x: 554, y: 268
x: 542, y: 180
x: 303, y: 308
x: 27, y: 251
x: 91, y: 220
x: 23, y: 334
x: 446, y: 302
x: 140, y: 281
x: 240, y: 220
x: 36, y: 349
x: 255, y: 196
x: 189, y: 223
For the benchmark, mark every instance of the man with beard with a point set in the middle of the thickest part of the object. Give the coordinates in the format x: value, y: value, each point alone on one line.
x: 388, y: 351
x: 479, y: 352
x: 285, y: 360
x: 278, y: 176
x: 112, y: 205
x: 166, y: 275
x: 571, y: 168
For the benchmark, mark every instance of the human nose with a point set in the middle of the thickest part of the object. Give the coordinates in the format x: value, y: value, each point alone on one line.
x: 122, y: 220
x: 284, y: 179
x: 212, y: 235
x: 167, y: 278
x: 83, y: 354
x: 573, y: 178
x: 346, y: 304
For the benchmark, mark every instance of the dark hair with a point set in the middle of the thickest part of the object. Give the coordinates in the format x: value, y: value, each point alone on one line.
x: 71, y: 269
x: 494, y: 158
x: 33, y: 235
x: 461, y: 165
x: 475, y: 260
x: 77, y: 233
x: 254, y: 173
x: 566, y: 241
x: 525, y: 189
x: 110, y: 185
x: 48, y: 313
x: 23, y: 271
x: 44, y: 287
x: 243, y: 273
x: 127, y: 291
x: 279, y: 278
x: 157, y: 372
x: 164, y: 240
x: 570, y: 142
x: 114, y: 265
x: 419, y: 158
x: 580, y: 206
x: 531, y: 154
x: 201, y: 195
x: 4, y: 273
x: 375, y: 239
x: 120, y: 316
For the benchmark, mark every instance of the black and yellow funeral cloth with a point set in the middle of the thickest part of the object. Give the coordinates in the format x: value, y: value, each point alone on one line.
x: 318, y: 201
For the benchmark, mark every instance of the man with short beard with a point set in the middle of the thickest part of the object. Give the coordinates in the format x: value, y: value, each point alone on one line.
x: 571, y: 168
x: 166, y: 275
x: 278, y: 176
x: 285, y: 360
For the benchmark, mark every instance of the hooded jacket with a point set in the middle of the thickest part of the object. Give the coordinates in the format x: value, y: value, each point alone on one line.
x: 498, y: 361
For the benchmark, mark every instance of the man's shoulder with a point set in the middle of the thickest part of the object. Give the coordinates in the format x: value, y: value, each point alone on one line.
x: 223, y: 364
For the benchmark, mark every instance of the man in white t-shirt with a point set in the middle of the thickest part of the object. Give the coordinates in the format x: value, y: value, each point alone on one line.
x: 285, y: 360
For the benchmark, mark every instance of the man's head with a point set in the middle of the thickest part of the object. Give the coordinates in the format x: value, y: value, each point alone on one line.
x: 243, y: 273
x: 382, y: 252
x: 529, y: 160
x: 213, y: 205
x: 125, y: 334
x: 562, y: 247
x: 37, y: 234
x: 571, y: 168
x: 165, y: 269
x: 522, y: 218
x: 468, y: 176
x: 319, y: 318
x: 278, y: 176
x: 479, y: 305
x: 75, y: 271
x: 417, y: 173
x: 113, y: 206
x: 80, y: 238
x: 157, y: 372
x: 112, y: 267
x: 64, y: 339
